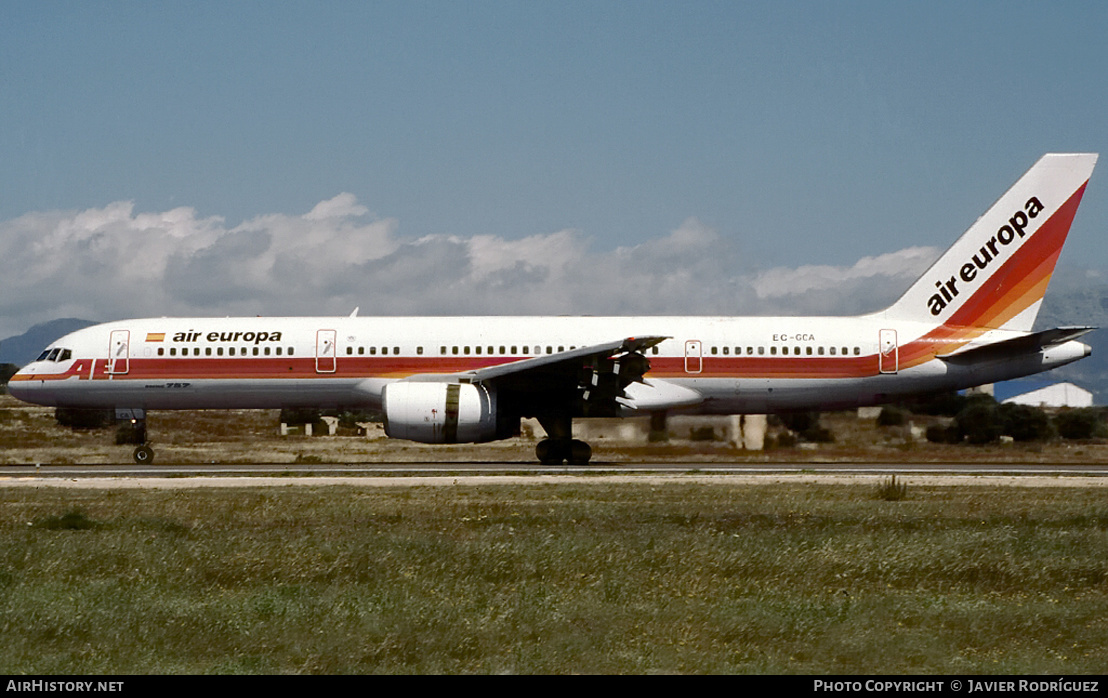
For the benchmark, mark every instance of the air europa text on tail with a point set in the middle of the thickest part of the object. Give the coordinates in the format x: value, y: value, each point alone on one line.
x: 991, y: 250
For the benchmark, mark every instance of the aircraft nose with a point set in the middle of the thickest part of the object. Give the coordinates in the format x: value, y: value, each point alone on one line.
x: 21, y: 386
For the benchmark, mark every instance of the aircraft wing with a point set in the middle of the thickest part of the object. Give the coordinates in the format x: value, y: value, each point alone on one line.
x: 597, y: 381
x: 1036, y: 341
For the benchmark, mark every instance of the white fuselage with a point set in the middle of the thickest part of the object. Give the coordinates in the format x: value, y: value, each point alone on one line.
x: 735, y: 364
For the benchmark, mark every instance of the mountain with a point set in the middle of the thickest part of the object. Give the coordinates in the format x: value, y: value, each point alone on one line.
x: 22, y: 349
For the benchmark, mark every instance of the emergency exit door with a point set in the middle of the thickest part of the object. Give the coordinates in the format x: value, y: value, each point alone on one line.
x: 888, y: 358
x: 325, y: 351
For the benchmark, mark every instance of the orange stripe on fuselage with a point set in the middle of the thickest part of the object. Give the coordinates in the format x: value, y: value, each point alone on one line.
x: 207, y: 368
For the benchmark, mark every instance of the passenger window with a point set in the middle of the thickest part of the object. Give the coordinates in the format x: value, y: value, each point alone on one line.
x: 477, y: 349
x: 361, y: 351
x: 219, y: 351
x: 857, y: 351
x: 726, y: 350
x: 173, y: 351
x: 714, y: 350
x: 207, y: 351
x: 442, y: 350
x: 773, y: 350
x: 267, y: 351
x: 419, y: 350
x: 255, y: 351
x: 349, y: 351
x: 161, y: 351
x: 465, y: 350
x: 290, y: 351
x: 761, y: 350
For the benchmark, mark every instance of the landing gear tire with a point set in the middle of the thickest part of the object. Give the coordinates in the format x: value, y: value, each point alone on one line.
x: 550, y: 452
x: 579, y: 452
x: 558, y: 451
x: 144, y: 455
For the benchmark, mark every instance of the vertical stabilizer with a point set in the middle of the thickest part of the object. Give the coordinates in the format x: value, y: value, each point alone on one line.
x: 995, y: 275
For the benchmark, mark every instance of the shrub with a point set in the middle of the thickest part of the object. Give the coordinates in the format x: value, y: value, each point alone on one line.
x: 77, y: 418
x: 702, y: 434
x: 939, y: 434
x: 892, y: 491
x: 940, y: 404
x: 1025, y: 423
x: 979, y: 420
x: 891, y: 416
x: 1080, y: 423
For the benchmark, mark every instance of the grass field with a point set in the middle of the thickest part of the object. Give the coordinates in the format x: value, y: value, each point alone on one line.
x: 777, y: 578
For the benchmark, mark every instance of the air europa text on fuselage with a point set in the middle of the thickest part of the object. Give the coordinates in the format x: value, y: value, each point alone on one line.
x: 991, y: 250
x: 255, y: 337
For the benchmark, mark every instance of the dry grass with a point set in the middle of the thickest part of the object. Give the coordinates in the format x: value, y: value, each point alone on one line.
x: 554, y: 579
x: 29, y: 434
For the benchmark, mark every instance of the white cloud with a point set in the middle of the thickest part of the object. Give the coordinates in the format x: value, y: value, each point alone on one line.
x: 111, y: 263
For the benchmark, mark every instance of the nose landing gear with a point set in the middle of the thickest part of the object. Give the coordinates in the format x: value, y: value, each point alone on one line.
x: 132, y: 429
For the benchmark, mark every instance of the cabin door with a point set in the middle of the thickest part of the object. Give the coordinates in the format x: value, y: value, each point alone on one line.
x: 693, y: 360
x: 325, y: 352
x: 888, y: 358
x: 119, y: 351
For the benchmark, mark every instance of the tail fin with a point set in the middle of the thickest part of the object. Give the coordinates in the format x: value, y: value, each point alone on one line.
x: 995, y: 275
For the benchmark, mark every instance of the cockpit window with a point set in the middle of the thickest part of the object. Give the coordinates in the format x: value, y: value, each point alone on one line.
x: 54, y: 354
x: 66, y: 355
x: 43, y: 355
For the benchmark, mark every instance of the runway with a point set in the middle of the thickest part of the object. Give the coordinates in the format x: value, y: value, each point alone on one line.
x: 470, y: 473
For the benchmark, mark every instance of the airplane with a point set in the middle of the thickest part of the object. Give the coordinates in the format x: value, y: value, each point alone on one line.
x: 966, y: 322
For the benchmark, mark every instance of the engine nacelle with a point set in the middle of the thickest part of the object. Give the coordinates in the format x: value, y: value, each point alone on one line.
x: 443, y: 413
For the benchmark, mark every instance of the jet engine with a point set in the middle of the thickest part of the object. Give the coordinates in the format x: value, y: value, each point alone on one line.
x: 444, y: 413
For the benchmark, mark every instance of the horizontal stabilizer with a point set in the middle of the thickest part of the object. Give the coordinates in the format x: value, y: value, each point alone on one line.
x: 1023, y: 344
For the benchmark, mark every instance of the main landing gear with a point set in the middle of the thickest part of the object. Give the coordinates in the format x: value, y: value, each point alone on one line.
x: 559, y: 447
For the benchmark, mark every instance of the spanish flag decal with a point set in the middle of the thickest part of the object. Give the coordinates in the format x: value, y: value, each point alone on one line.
x: 155, y: 336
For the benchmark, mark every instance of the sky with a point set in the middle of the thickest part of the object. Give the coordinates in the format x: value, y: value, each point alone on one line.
x: 424, y: 158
